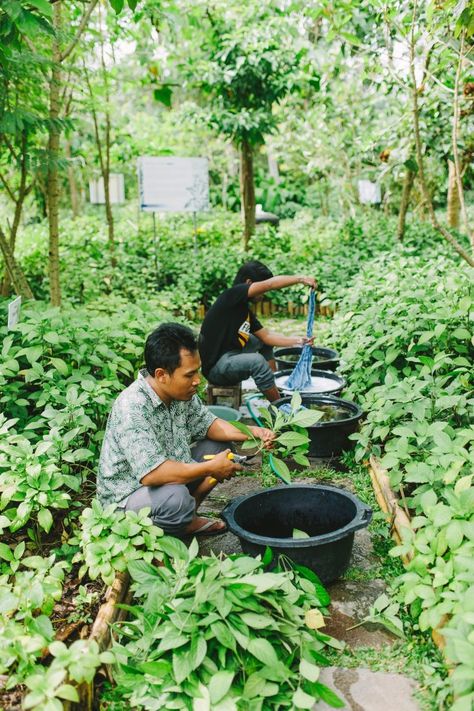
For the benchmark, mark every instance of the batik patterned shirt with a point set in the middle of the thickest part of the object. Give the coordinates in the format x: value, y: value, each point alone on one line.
x: 142, y: 433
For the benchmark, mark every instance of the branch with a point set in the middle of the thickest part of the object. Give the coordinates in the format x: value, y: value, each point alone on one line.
x: 10, y: 192
x: 15, y: 272
x: 419, y: 153
x: 95, y: 121
x: 80, y: 30
x: 9, y: 145
x: 455, y: 137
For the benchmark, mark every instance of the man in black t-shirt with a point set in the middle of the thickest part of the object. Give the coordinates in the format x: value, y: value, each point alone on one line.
x: 233, y: 344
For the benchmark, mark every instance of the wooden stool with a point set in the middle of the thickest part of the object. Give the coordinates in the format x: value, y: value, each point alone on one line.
x: 230, y: 392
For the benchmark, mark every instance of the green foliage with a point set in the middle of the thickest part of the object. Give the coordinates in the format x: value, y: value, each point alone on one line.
x: 78, y: 662
x: 19, y: 19
x: 291, y: 437
x: 220, y: 632
x: 110, y: 538
x: 28, y: 594
x: 408, y: 342
x: 244, y: 60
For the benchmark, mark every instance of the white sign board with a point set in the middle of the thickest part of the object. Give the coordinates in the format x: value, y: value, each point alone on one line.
x: 369, y: 193
x: 116, y: 190
x: 14, y: 312
x: 169, y: 184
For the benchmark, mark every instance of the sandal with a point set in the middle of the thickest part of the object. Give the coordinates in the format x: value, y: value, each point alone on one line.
x: 206, y: 529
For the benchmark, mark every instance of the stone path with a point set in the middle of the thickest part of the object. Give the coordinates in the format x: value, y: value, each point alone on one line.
x: 364, y: 690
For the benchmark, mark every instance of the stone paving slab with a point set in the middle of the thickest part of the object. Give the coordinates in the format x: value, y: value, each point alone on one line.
x: 354, y: 597
x: 364, y: 690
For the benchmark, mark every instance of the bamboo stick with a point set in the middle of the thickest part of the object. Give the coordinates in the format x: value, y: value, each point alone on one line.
x: 388, y: 502
x: 108, y: 613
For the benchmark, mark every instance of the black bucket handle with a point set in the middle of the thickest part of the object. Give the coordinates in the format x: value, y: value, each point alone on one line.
x: 361, y: 520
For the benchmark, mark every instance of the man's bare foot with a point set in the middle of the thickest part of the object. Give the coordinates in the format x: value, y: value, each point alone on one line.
x: 206, y: 526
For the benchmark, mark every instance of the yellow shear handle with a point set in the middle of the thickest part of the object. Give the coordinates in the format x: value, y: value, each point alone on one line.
x: 212, y: 480
x: 211, y: 456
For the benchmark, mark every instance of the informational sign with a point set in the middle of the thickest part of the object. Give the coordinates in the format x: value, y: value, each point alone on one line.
x: 369, y: 192
x: 169, y: 184
x: 14, y: 312
x: 116, y: 190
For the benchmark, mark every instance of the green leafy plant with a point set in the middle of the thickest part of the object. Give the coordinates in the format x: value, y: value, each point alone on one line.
x: 110, y: 538
x: 384, y: 612
x: 222, y: 633
x: 291, y: 437
x: 78, y: 662
x: 27, y: 597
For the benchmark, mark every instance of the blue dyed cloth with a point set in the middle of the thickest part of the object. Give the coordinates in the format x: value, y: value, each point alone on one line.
x: 301, y: 375
x: 286, y: 408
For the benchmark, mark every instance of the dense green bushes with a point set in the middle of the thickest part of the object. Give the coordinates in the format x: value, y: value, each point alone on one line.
x: 59, y: 373
x: 222, y: 633
x: 405, y: 330
x: 180, y: 279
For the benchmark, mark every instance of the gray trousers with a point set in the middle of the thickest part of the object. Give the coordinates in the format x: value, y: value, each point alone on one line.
x: 249, y: 362
x: 172, y: 505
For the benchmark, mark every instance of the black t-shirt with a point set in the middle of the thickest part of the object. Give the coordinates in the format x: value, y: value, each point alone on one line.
x: 226, y: 326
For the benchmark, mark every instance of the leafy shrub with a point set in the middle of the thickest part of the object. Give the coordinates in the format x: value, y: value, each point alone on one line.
x: 110, y: 538
x: 407, y: 352
x: 223, y: 631
x: 27, y: 599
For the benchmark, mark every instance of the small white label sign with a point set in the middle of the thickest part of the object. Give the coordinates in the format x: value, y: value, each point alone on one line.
x: 369, y: 193
x: 14, y: 312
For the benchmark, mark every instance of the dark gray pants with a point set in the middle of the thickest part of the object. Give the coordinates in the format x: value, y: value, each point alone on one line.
x: 249, y: 362
x: 172, y: 505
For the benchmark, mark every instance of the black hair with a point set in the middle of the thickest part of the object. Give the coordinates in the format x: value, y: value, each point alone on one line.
x: 254, y: 270
x: 163, y: 346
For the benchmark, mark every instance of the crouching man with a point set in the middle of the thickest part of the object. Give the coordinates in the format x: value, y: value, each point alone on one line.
x: 157, y: 435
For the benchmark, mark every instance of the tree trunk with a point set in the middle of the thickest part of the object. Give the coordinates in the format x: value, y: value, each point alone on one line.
x: 22, y: 192
x: 407, y: 186
x: 454, y: 204
x: 419, y: 157
x: 106, y: 174
x: 17, y: 277
x: 109, y: 215
x: 73, y: 189
x: 247, y: 191
x: 53, y: 157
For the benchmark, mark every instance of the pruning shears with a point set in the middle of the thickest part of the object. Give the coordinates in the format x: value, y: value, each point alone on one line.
x: 237, y: 458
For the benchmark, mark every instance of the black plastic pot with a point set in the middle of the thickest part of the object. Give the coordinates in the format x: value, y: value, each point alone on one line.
x: 335, y: 389
x: 323, y: 358
x: 329, y: 439
x: 329, y: 515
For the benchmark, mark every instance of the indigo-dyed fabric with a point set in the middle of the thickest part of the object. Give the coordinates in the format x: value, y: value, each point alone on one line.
x: 301, y: 375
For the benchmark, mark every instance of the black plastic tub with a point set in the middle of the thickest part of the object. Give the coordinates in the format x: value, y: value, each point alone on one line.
x: 330, y: 438
x: 332, y: 384
x: 323, y: 358
x: 330, y: 516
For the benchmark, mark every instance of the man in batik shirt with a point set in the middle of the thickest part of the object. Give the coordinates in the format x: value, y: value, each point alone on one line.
x: 157, y: 435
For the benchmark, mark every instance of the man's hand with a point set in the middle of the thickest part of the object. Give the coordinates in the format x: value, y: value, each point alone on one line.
x: 264, y: 434
x: 221, y: 467
x: 309, y: 281
x: 303, y: 341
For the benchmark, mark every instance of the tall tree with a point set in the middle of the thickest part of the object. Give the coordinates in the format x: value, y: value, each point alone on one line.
x: 22, y: 117
x: 244, y: 59
x: 59, y: 54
